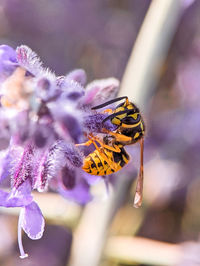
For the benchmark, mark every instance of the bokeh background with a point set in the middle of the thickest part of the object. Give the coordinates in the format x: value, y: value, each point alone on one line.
x: 98, y: 36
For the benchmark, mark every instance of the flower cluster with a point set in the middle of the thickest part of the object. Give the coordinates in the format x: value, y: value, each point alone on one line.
x: 42, y: 117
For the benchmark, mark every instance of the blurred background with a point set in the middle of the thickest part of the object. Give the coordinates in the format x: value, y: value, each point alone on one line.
x: 98, y: 36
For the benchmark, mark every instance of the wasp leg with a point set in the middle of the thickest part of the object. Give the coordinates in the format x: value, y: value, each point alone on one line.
x: 139, y: 186
x: 92, y: 140
x: 118, y: 137
x: 114, y: 148
x: 101, y: 151
x: 87, y: 143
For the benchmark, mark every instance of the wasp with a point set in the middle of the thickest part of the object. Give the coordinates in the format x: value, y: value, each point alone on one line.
x: 130, y: 129
x: 108, y: 157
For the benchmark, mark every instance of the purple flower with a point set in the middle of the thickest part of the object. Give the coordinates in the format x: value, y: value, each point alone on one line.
x: 32, y: 222
x: 72, y: 182
x: 42, y: 118
x: 100, y: 91
x: 8, y: 62
x: 93, y: 123
x: 30, y: 61
x: 74, y: 187
x: 30, y: 218
x: 77, y: 75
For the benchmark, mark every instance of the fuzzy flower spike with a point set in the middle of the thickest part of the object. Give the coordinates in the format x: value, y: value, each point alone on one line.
x: 42, y: 117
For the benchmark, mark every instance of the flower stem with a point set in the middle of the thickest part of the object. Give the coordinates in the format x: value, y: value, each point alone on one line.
x: 23, y: 255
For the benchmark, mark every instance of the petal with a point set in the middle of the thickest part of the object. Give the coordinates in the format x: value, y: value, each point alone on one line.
x: 43, y: 135
x: 6, y: 200
x: 68, y: 177
x: 91, y: 179
x: 100, y: 91
x: 17, y: 198
x: 46, y: 88
x: 72, y: 90
x: 78, y: 75
x: 32, y: 221
x: 68, y: 119
x: 4, y: 164
x: 7, y: 53
x: 8, y: 61
x: 71, y: 124
x: 29, y: 59
x: 80, y: 193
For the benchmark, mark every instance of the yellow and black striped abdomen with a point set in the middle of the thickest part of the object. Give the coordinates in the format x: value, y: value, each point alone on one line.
x: 105, y: 162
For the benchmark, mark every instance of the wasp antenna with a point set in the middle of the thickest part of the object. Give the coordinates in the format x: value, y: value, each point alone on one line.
x: 109, y: 102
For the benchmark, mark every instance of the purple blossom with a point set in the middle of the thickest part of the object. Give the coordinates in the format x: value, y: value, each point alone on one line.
x: 42, y: 118
x: 72, y: 90
x: 31, y: 61
x: 93, y: 123
x: 76, y: 189
x: 100, y: 91
x: 8, y: 62
x: 32, y: 222
x: 30, y: 218
x: 77, y: 75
